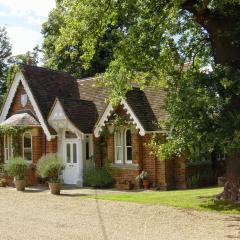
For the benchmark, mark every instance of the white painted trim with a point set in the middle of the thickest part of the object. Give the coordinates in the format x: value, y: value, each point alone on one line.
x: 23, y: 147
x: 11, y: 94
x: 107, y: 113
x: 119, y: 161
x: 8, y: 148
x: 103, y: 119
x: 126, y: 147
x: 69, y: 124
x: 133, y: 117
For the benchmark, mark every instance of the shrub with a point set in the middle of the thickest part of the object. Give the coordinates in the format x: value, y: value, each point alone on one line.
x: 193, y: 181
x: 97, y: 178
x: 16, y: 167
x: 50, y: 166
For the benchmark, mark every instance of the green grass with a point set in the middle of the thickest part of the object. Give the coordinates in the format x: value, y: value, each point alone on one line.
x: 198, y: 199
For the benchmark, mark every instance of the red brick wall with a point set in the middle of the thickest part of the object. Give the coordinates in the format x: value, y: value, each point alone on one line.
x: 40, y: 145
x: 51, y: 146
x: 16, y: 104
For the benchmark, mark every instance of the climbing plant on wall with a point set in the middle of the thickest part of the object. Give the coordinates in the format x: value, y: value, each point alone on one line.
x: 15, y: 132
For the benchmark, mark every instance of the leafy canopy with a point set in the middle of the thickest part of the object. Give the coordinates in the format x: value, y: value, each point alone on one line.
x: 167, y: 44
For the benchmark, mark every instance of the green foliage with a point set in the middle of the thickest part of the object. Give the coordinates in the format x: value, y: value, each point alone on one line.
x: 13, y: 131
x: 165, y: 44
x: 5, y: 53
x: 118, y: 120
x: 50, y: 166
x: 16, y: 167
x: 68, y: 55
x: 98, y: 178
x: 201, y: 179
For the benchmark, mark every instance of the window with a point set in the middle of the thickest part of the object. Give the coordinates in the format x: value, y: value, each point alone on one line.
x: 87, y: 151
x: 27, y: 146
x: 70, y: 135
x: 128, y: 146
x: 7, y: 147
x: 118, y: 146
x: 123, y: 146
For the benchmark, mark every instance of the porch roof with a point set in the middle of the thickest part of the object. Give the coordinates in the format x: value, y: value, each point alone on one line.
x: 21, y: 119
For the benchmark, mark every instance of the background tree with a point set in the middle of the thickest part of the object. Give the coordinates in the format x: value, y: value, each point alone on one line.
x: 30, y: 57
x: 67, y: 57
x: 155, y: 40
x: 5, y: 53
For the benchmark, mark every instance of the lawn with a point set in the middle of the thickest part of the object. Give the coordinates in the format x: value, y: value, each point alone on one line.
x: 198, y: 199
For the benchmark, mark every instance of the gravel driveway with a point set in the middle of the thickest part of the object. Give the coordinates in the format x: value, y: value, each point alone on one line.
x: 35, y: 214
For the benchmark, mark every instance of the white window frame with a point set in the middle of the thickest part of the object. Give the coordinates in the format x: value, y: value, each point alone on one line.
x: 8, y: 150
x: 118, y: 161
x: 23, y: 143
x: 127, y: 161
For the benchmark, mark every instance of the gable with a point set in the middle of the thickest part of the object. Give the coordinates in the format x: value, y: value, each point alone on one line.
x: 20, y: 102
x: 9, y: 102
x: 123, y: 109
x: 58, y: 119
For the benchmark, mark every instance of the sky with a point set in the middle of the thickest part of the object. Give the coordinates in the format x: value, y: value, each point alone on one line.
x: 23, y: 20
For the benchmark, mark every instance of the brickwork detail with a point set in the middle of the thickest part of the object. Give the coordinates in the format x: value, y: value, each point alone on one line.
x: 16, y: 104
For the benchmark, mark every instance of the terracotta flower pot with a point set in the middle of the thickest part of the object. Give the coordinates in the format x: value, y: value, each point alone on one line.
x: 146, y: 184
x: 20, y: 184
x: 55, y: 188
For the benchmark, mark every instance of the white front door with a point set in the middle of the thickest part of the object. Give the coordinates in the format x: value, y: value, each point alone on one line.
x: 71, y: 173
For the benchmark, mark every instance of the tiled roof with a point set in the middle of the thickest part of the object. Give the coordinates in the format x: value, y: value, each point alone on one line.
x: 21, y: 119
x: 84, y: 102
x: 81, y: 112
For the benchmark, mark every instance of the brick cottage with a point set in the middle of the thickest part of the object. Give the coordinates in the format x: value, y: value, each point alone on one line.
x: 67, y: 116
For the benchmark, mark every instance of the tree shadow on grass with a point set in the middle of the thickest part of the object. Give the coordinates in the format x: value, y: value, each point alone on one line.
x: 209, y: 203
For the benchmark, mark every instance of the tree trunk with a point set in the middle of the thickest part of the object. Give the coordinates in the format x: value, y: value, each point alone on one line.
x: 223, y: 29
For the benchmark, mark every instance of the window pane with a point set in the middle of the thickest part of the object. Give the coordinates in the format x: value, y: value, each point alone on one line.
x: 28, y: 154
x: 74, y: 153
x: 27, y: 140
x: 68, y: 153
x: 118, y: 138
x: 128, y: 138
x: 119, y: 154
x: 129, y: 153
x: 87, y: 151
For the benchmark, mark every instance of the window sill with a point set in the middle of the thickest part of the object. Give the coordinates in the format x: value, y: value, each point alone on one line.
x: 126, y: 165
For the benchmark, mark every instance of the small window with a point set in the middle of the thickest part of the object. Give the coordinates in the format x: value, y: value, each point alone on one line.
x: 128, y: 146
x: 70, y: 135
x: 118, y: 147
x: 27, y: 146
x: 7, y: 147
x: 24, y: 100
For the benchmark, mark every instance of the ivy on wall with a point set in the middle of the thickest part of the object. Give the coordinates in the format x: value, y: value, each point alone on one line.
x: 15, y: 132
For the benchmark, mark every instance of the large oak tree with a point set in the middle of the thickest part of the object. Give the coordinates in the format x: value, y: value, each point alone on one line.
x: 169, y: 43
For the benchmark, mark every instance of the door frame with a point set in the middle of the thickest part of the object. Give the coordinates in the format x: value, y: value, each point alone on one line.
x: 62, y: 152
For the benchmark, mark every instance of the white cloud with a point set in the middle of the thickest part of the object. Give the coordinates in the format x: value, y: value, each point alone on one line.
x: 23, y: 39
x: 25, y: 7
x: 23, y: 19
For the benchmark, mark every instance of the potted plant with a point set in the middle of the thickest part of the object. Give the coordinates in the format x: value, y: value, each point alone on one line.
x: 143, y: 177
x: 50, y: 167
x: 17, y: 168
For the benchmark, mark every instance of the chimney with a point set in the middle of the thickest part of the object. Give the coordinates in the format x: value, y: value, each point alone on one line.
x: 29, y: 61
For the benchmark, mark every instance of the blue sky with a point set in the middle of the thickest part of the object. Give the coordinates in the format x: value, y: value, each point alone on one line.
x: 23, y: 20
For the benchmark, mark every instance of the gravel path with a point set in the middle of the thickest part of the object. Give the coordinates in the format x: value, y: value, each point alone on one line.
x: 38, y: 215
